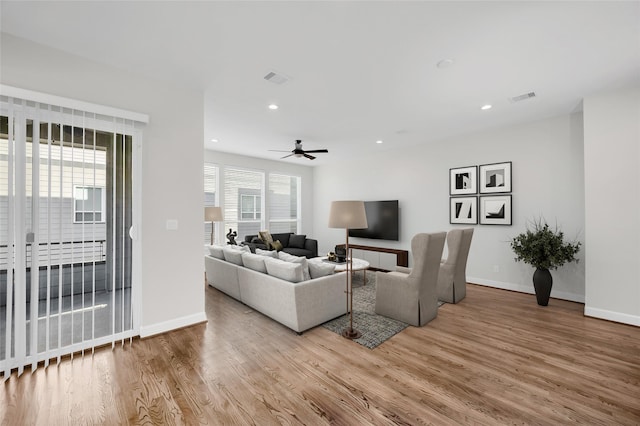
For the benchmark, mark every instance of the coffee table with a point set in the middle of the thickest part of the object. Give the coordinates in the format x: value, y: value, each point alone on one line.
x: 358, y: 265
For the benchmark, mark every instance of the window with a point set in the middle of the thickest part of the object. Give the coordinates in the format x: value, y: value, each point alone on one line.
x: 249, y: 206
x: 284, y: 203
x: 243, y: 201
x: 88, y: 204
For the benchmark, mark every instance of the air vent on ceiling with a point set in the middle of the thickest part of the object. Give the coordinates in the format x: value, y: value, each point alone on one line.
x: 276, y: 78
x: 523, y: 97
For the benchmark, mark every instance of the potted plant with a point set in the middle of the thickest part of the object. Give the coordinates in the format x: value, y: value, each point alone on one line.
x: 544, y: 249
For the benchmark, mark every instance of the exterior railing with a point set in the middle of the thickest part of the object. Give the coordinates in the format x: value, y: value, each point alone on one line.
x: 60, y: 253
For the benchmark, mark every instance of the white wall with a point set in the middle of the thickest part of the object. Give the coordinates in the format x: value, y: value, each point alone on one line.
x: 267, y: 166
x: 547, y: 159
x: 172, y: 262
x: 612, y: 201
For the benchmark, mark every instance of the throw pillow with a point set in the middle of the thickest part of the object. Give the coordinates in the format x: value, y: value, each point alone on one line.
x: 297, y: 241
x: 277, y: 245
x: 296, y: 259
x: 284, y: 270
x: 254, y: 261
x: 319, y: 269
x: 232, y: 256
x: 266, y: 238
x: 268, y: 253
x: 216, y: 251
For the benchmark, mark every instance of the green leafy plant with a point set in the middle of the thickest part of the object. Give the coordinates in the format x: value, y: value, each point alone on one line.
x: 544, y: 248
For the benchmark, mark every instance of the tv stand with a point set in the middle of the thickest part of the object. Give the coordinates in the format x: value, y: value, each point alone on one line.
x: 402, y: 256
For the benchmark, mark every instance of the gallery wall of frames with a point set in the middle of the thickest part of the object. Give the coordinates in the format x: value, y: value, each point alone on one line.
x: 480, y: 194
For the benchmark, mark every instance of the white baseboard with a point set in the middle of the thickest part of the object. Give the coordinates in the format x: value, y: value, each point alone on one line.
x: 525, y: 289
x: 612, y: 316
x: 163, y: 327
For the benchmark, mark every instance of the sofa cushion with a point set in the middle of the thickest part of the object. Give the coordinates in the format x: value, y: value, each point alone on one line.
x: 277, y: 245
x: 266, y: 238
x: 319, y: 269
x: 254, y: 261
x: 268, y: 253
x: 283, y: 238
x: 233, y: 255
x: 296, y: 259
x: 284, y: 270
x: 216, y: 251
x: 297, y: 241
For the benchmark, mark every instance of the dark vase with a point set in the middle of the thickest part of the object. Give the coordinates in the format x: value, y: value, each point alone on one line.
x: 542, y: 282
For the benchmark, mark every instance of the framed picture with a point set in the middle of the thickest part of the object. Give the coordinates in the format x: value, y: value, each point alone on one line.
x: 495, y: 210
x: 495, y: 178
x: 463, y: 180
x: 463, y: 210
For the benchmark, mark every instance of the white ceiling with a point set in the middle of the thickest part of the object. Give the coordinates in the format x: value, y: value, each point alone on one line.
x: 360, y: 71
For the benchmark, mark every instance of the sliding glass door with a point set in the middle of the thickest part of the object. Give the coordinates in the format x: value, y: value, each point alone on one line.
x: 66, y: 216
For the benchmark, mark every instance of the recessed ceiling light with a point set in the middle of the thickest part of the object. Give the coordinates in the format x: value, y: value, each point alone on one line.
x: 273, y: 106
x: 214, y: 140
x: 445, y: 63
x: 378, y: 142
x: 485, y: 107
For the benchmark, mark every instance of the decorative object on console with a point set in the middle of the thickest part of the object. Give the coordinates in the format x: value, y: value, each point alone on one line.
x: 495, y: 210
x: 544, y: 249
x: 463, y: 210
x: 348, y: 214
x: 495, y: 178
x: 231, y: 236
x: 463, y: 180
x: 341, y: 253
x: 213, y: 214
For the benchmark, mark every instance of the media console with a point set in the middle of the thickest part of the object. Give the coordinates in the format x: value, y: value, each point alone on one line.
x: 402, y: 256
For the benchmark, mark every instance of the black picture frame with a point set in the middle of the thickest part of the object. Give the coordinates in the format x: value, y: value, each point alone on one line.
x: 463, y: 180
x: 463, y: 210
x: 495, y: 178
x: 495, y: 210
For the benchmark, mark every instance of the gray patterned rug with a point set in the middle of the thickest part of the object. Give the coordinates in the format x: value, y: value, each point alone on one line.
x: 375, y: 329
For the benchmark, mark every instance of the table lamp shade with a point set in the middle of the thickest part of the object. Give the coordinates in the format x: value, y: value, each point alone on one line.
x: 213, y: 214
x: 347, y: 215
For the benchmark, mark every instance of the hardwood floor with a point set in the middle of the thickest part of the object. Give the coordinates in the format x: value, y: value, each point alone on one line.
x: 495, y: 358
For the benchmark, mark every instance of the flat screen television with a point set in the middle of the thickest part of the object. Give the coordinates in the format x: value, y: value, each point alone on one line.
x: 383, y: 219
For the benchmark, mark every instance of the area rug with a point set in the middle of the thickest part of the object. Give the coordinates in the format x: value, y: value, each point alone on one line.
x: 375, y: 329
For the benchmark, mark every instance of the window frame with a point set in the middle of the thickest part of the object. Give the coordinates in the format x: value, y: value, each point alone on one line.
x: 103, y: 205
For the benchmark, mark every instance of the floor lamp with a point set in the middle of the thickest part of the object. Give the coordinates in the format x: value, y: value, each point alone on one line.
x: 212, y: 214
x: 348, y: 215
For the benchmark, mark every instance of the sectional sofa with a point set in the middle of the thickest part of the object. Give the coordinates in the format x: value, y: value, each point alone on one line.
x: 280, y: 290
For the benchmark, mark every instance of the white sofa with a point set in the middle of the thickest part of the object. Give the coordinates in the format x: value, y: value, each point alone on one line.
x: 299, y: 306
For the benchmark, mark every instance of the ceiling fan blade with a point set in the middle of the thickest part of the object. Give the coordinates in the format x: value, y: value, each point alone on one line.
x: 310, y: 157
x: 318, y: 150
x: 277, y: 150
x: 286, y: 156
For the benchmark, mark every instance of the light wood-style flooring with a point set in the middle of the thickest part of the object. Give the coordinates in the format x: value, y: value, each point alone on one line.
x: 495, y: 358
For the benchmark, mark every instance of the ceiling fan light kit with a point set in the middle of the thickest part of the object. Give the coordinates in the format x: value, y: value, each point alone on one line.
x: 299, y: 152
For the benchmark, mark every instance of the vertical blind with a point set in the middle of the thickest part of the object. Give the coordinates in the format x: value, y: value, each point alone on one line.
x: 66, y: 210
x: 284, y: 205
x: 243, y: 201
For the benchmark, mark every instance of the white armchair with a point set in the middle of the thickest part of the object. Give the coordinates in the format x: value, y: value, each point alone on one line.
x: 412, y: 297
x: 452, y: 280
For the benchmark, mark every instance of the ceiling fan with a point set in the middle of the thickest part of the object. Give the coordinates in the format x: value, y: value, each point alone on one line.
x: 299, y: 152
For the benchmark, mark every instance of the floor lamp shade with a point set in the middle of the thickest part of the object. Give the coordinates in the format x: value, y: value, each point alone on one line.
x: 213, y: 214
x: 347, y: 215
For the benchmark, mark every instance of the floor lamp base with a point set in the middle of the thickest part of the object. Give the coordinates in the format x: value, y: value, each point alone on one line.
x: 350, y: 333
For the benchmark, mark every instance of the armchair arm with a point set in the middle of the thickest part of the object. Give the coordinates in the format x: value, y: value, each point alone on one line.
x: 403, y: 269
